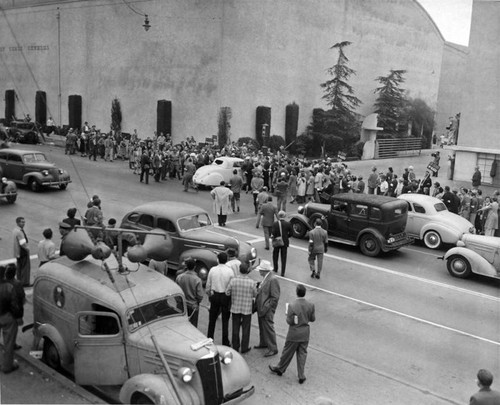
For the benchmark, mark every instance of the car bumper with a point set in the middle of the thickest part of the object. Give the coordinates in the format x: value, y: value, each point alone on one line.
x: 400, y: 241
x: 55, y: 183
x: 244, y: 395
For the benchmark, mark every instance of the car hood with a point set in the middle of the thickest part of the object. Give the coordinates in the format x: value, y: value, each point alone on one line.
x: 211, y: 237
x: 42, y: 166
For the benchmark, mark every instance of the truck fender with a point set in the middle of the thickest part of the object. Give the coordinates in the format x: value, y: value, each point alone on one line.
x: 35, y: 175
x: 478, y: 263
x: 158, y: 389
x: 235, y: 374
x: 48, y: 331
x: 302, y: 218
x: 375, y: 233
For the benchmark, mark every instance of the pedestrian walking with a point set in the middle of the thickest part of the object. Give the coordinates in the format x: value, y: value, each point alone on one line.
x: 267, y: 212
x: 217, y: 282
x: 281, y: 232
x: 298, y: 316
x: 9, y: 312
x: 46, y: 248
x: 266, y: 301
x: 485, y: 395
x: 192, y: 288
x: 242, y: 290
x: 22, y: 252
x: 187, y: 178
x: 222, y: 202
x: 236, y: 184
x: 257, y: 185
x: 281, y: 191
x: 145, y: 167
x: 318, y: 246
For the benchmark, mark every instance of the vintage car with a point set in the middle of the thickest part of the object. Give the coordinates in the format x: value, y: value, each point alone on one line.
x: 221, y: 169
x: 474, y: 254
x: 192, y: 232
x: 430, y: 221
x: 31, y: 168
x: 116, y: 324
x: 374, y: 223
x: 24, y: 132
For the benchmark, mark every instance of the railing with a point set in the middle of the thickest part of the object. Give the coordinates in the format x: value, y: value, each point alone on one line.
x: 393, y: 147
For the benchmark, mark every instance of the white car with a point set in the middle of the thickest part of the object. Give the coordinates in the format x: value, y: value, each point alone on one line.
x: 430, y: 221
x: 221, y: 169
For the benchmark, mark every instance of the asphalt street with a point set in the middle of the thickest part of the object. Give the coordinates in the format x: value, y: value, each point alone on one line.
x: 393, y: 329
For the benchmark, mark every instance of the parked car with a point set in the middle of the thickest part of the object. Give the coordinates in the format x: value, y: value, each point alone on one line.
x: 31, y: 168
x: 24, y: 132
x: 221, y: 169
x: 126, y: 330
x: 430, y: 221
x: 192, y: 231
x: 8, y: 189
x: 374, y: 223
x: 474, y: 254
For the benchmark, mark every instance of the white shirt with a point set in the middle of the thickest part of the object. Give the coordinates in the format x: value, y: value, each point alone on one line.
x: 219, y: 278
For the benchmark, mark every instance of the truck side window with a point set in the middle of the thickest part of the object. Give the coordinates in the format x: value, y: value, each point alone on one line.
x: 97, y: 325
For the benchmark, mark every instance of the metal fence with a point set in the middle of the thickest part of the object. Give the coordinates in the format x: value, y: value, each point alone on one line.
x: 394, y: 147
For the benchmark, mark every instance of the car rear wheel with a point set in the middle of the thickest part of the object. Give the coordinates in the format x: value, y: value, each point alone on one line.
x: 34, y: 186
x: 369, y: 245
x: 432, y: 240
x: 50, y: 355
x: 458, y: 266
x: 324, y: 222
x: 299, y: 229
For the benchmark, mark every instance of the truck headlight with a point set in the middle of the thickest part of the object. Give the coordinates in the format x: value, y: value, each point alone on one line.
x: 45, y: 172
x: 202, y: 273
x: 300, y: 210
x: 61, y: 171
x: 253, y: 252
x: 227, y: 358
x: 185, y: 374
x: 391, y: 240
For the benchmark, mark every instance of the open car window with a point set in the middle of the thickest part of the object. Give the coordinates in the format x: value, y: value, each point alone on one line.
x: 195, y: 221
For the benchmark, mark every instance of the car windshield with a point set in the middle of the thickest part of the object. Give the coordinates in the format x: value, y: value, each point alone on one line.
x: 440, y: 207
x: 34, y: 158
x: 152, y: 311
x: 24, y: 125
x: 195, y: 221
x: 218, y: 162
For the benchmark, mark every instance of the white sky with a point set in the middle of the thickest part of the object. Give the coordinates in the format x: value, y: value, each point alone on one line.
x: 452, y: 17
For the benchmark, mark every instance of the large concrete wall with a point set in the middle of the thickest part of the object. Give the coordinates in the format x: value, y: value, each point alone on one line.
x: 453, y: 74
x: 206, y: 54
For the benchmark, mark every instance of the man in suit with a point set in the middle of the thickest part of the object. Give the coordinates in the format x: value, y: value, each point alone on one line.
x: 268, y: 295
x: 318, y: 246
x: 283, y: 229
x: 298, y: 315
x: 268, y: 211
x: 485, y: 395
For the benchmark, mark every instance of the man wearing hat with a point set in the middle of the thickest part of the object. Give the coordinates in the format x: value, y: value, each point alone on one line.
x: 64, y: 230
x: 268, y: 295
x: 283, y: 229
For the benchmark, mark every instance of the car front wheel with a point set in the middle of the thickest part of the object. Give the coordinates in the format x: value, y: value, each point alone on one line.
x: 299, y: 229
x: 369, y: 245
x: 63, y: 186
x: 34, y: 186
x: 458, y: 266
x: 432, y: 239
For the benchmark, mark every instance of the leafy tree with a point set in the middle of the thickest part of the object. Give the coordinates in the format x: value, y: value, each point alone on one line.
x: 116, y: 115
x: 421, y: 118
x: 225, y: 115
x: 391, y: 104
x: 275, y: 142
x: 341, y: 120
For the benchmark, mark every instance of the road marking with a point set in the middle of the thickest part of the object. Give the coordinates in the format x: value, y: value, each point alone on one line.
x: 388, y: 271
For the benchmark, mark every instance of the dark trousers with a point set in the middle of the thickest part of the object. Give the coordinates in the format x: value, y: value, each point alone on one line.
x: 145, y: 171
x: 291, y: 348
x: 222, y: 219
x: 23, y: 272
x: 243, y: 322
x: 219, y: 303
x: 193, y: 315
x: 276, y: 254
x: 8, y: 326
x: 267, y: 334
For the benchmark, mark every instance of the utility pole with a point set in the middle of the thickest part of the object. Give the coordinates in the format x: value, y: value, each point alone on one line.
x: 59, y: 63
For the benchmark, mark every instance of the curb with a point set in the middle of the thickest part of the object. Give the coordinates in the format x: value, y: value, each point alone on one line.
x: 45, y: 370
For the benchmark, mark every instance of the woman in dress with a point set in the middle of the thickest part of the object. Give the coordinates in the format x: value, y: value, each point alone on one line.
x: 491, y: 221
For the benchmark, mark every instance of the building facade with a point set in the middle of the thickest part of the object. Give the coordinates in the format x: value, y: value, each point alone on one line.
x: 209, y: 54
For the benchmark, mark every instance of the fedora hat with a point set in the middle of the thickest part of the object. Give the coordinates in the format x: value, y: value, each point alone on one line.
x: 264, y: 265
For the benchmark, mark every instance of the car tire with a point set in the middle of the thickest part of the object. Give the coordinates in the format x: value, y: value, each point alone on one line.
x: 324, y: 222
x: 458, y: 266
x: 33, y: 185
x: 139, y: 398
x: 50, y: 355
x: 63, y: 186
x: 369, y: 245
x: 202, y: 270
x: 432, y: 239
x: 299, y: 229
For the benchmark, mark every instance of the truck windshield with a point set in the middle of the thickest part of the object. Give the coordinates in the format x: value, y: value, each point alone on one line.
x: 152, y: 311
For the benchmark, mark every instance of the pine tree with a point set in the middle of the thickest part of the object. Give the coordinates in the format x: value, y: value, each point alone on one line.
x: 225, y: 115
x: 116, y: 115
x: 391, y: 104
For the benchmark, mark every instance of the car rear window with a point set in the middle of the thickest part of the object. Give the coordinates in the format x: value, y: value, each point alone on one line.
x: 375, y: 213
x: 440, y: 207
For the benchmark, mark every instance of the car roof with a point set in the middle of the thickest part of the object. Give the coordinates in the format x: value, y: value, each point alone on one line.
x: 420, y: 198
x: 229, y: 159
x: 21, y: 151
x: 371, y: 199
x: 168, y: 209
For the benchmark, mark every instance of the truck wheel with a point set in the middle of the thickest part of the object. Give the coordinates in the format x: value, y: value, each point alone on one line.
x: 299, y: 230
x: 369, y: 245
x: 50, y: 355
x: 458, y: 266
x: 34, y: 185
x: 432, y: 239
x: 11, y: 199
x: 138, y: 398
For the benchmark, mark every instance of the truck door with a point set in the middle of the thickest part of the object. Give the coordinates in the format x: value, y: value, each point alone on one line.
x: 99, y: 354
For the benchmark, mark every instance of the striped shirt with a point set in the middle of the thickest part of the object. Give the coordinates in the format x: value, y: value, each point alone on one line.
x: 242, y: 290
